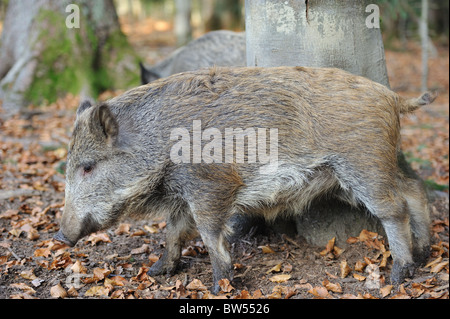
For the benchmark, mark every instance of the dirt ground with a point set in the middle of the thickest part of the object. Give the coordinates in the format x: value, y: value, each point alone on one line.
x: 113, y: 264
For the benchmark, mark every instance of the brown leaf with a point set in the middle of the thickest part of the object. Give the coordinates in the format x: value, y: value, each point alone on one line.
x: 266, y: 249
x: 366, y: 235
x: 320, y: 292
x: 196, y: 285
x: 27, y: 289
x: 332, y: 287
x: 58, y: 291
x: 123, y: 229
x: 386, y: 290
x: 438, y: 267
x: 101, y: 273
x: 244, y: 294
x: 96, y: 238
x: 276, y: 268
x: 152, y: 229
x: 434, y: 262
x: 329, y: 247
x: 78, y: 268
x: 345, y: 269
x: 142, y: 275
x: 97, y: 291
x: 225, y: 285
x: 359, y: 277
x: 280, y: 278
x: 115, y: 281
x: 28, y: 274
x: 141, y: 250
x: 10, y: 214
x: 360, y: 265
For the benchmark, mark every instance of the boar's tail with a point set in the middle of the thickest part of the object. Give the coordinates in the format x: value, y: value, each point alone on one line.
x: 409, y: 105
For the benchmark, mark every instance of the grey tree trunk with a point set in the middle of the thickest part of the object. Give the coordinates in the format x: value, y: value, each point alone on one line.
x: 182, y: 25
x: 320, y: 33
x: 51, y: 47
x: 316, y: 33
x: 423, y: 27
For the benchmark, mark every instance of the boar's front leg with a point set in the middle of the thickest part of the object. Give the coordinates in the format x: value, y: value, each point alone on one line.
x: 179, y: 228
x: 213, y: 230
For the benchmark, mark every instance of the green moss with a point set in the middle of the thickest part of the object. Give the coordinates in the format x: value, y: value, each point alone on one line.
x: 72, y: 60
x: 59, y: 69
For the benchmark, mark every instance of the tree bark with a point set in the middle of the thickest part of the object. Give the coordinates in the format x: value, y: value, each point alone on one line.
x: 423, y: 27
x: 315, y: 33
x: 182, y: 26
x: 43, y: 56
x: 319, y: 33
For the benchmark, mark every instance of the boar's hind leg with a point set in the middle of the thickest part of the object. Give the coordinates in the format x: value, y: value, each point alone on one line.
x: 214, y: 236
x: 415, y: 196
x: 392, y: 210
x: 179, y: 229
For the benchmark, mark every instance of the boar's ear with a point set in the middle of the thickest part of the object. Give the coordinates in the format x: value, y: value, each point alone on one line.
x: 83, y: 106
x: 104, y: 123
x: 147, y: 75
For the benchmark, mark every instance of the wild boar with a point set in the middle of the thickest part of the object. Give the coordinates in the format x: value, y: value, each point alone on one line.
x: 199, y: 148
x: 215, y: 48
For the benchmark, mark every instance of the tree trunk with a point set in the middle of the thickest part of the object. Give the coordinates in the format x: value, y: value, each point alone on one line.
x: 316, y: 33
x: 319, y: 33
x: 183, y: 29
x: 424, y: 40
x: 49, y: 48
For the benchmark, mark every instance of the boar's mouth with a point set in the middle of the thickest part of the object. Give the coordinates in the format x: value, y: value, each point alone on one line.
x: 60, y: 237
x: 88, y: 226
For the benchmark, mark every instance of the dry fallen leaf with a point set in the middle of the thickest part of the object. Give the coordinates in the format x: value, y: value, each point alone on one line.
x: 196, y: 285
x: 28, y: 274
x: 332, y: 287
x: 276, y: 268
x: 360, y: 265
x: 97, y: 291
x: 101, y: 273
x: 367, y: 235
x: 266, y: 250
x: 123, y: 229
x: 438, y: 267
x: 345, y: 269
x: 141, y: 250
x: 225, y: 285
x: 58, y: 291
x: 386, y: 290
x: 78, y: 268
x: 359, y: 277
x: 280, y: 278
x: 320, y: 292
x: 27, y: 289
x: 96, y: 238
x: 329, y: 247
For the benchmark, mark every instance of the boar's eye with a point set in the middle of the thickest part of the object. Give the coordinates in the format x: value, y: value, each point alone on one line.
x: 87, y: 168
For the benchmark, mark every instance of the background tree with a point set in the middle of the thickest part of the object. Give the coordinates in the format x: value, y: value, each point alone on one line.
x: 42, y: 58
x: 182, y: 23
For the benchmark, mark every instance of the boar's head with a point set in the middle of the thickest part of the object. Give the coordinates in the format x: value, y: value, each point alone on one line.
x: 104, y: 176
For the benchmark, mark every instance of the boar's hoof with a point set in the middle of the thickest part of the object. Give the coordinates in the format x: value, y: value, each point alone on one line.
x: 420, y: 256
x: 60, y: 237
x: 161, y: 268
x: 399, y: 273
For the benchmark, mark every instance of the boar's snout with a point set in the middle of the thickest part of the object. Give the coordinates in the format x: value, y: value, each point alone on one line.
x: 60, y: 237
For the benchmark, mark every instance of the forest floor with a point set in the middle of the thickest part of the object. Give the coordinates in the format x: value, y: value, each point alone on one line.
x: 113, y: 264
